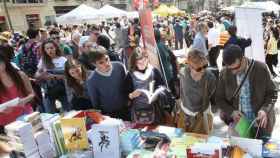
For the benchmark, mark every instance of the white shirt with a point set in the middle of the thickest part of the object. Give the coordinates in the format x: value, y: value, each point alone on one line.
x: 58, y: 63
x: 213, y: 37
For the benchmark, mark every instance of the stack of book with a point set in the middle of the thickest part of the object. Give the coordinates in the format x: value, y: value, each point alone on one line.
x: 130, y: 140
x: 58, y: 138
x: 22, y: 138
x: 44, y: 144
x: 35, y: 120
x: 48, y: 121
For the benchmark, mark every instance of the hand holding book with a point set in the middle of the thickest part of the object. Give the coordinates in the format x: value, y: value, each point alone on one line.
x: 134, y: 94
x: 9, y: 104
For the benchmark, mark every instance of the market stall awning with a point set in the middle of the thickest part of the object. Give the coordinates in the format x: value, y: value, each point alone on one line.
x: 164, y: 10
x: 133, y: 14
x: 110, y: 12
x: 268, y: 6
x: 79, y: 15
x: 175, y: 11
x: 230, y: 9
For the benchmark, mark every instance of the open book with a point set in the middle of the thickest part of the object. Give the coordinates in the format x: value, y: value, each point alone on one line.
x: 152, y: 96
x: 10, y: 103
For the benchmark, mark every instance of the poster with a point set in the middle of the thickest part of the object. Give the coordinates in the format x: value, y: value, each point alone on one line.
x: 105, y: 141
x: 249, y: 25
x: 148, y: 36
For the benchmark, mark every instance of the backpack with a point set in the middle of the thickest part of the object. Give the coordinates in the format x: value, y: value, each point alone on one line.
x: 28, y: 60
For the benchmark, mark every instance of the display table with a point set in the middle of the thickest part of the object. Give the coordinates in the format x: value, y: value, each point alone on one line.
x: 125, y: 139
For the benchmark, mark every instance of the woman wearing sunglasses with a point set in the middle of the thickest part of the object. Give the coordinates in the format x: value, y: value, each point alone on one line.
x: 197, y: 88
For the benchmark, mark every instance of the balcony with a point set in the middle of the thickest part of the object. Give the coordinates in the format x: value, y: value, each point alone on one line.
x: 26, y: 3
x: 116, y: 1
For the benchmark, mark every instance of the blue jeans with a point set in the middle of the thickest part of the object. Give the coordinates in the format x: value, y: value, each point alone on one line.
x: 50, y: 107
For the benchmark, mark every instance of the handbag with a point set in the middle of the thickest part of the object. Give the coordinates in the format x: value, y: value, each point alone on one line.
x: 248, y: 129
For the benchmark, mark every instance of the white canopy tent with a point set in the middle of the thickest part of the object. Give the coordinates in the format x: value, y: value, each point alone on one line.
x: 110, y: 12
x: 267, y: 6
x: 133, y: 14
x: 79, y: 15
x: 230, y: 9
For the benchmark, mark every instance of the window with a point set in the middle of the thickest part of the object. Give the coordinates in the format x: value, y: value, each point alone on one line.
x: 33, y: 20
x: 28, y: 1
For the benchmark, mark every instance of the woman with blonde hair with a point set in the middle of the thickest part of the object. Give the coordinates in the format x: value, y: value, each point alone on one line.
x: 197, y: 86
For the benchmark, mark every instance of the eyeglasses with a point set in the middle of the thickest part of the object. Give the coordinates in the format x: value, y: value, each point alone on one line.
x: 199, y: 69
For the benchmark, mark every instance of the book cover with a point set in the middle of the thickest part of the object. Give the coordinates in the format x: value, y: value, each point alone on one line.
x: 106, y: 141
x: 10, y: 103
x: 74, y: 133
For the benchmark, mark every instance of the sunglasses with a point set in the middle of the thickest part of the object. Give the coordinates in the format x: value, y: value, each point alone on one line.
x: 200, y: 68
x: 237, y: 67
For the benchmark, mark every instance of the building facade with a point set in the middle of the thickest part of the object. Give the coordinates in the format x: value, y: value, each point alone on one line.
x: 25, y: 13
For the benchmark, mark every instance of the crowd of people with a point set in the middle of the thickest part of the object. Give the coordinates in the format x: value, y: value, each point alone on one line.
x: 105, y: 67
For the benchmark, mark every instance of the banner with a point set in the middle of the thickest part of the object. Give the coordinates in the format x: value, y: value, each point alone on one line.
x: 249, y: 25
x: 148, y: 36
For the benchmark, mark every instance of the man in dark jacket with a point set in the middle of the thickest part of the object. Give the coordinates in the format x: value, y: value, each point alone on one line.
x: 257, y: 95
x: 234, y: 39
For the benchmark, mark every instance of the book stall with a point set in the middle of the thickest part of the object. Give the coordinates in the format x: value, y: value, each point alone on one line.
x: 88, y: 134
